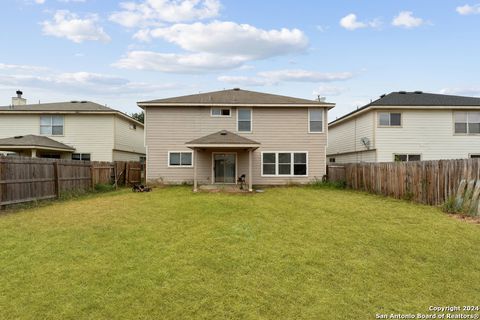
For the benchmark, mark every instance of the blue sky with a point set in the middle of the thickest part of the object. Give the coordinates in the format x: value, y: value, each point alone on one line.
x: 117, y: 53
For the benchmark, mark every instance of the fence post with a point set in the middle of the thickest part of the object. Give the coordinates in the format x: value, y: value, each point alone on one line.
x: 92, y: 175
x: 56, y: 179
x: 127, y: 174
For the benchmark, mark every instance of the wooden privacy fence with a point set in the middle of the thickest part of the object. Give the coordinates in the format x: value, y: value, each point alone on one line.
x: 336, y: 173
x: 29, y: 179
x: 428, y: 182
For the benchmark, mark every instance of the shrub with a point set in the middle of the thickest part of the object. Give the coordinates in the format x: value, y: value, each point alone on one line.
x: 328, y: 184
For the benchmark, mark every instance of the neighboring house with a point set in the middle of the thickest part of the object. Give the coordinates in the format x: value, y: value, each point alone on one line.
x: 79, y: 130
x: 407, y: 126
x: 218, y: 136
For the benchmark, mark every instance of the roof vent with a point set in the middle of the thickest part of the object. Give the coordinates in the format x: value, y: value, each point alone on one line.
x: 418, y: 92
x: 383, y: 96
x: 223, y: 133
x: 18, y: 137
x: 236, y: 89
x: 83, y: 101
x: 73, y: 101
x: 402, y: 92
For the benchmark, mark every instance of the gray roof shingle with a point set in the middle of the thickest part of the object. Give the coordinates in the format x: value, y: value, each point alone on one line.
x: 61, y: 106
x: 419, y: 98
x: 222, y: 137
x: 235, y: 96
x: 32, y: 140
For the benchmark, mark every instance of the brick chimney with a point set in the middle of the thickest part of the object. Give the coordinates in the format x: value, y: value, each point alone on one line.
x: 18, y: 100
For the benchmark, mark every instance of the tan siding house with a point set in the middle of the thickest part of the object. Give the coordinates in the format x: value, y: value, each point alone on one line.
x: 407, y: 126
x: 87, y: 130
x: 217, y: 137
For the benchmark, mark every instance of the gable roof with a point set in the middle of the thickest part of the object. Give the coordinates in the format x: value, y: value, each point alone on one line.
x: 415, y: 99
x: 34, y: 141
x: 65, y: 107
x: 234, y: 96
x: 223, y: 137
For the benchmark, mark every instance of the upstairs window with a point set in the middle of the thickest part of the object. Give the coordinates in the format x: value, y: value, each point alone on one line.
x: 467, y: 122
x: 315, y: 119
x: 389, y: 119
x: 244, y: 121
x: 220, y: 112
x: 51, y: 125
x: 180, y: 159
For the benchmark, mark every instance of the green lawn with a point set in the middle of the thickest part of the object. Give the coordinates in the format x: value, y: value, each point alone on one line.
x: 289, y: 253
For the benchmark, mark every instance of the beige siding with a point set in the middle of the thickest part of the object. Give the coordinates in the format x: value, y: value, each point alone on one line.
x: 128, y: 139
x: 86, y: 133
x: 277, y: 129
x: 429, y: 133
x: 346, y: 136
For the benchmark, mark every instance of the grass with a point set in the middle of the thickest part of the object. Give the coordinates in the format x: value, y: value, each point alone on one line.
x: 288, y: 253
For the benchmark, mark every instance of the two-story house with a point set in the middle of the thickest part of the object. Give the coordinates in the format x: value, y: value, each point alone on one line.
x: 216, y: 137
x: 79, y: 130
x: 407, y: 126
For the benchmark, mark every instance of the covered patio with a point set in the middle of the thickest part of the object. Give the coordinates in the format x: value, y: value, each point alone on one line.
x: 36, y: 147
x: 226, y: 148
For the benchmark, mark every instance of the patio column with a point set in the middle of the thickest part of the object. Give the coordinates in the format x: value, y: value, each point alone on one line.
x: 34, y: 153
x: 250, y: 170
x: 195, y: 170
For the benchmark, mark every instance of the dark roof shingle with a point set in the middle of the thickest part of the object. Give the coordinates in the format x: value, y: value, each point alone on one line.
x: 234, y: 96
x: 32, y: 140
x: 61, y: 106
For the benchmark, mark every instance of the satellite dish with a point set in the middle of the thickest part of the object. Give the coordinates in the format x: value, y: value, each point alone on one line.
x: 366, y: 142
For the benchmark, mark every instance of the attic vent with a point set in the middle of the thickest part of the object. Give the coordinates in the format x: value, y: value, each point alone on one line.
x: 418, y: 92
x: 18, y: 137
x: 73, y: 101
x: 236, y: 89
x: 402, y: 92
x: 223, y: 133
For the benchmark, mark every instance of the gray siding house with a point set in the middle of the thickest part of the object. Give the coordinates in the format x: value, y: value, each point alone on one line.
x: 216, y: 137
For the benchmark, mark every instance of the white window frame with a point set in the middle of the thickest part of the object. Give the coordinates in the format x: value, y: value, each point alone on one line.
x: 408, y: 156
x: 220, y: 115
x: 180, y: 166
x: 323, y: 120
x: 51, y: 125
x: 389, y: 119
x: 468, y: 129
x: 251, y: 120
x: 81, y: 155
x: 292, y: 164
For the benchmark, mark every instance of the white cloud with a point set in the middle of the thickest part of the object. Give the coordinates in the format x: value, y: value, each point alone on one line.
x: 214, y: 46
x: 469, y: 9
x: 406, y: 19
x: 39, y: 1
x: 278, y: 76
x: 351, y: 23
x: 329, y: 91
x: 178, y: 63
x: 230, y: 38
x: 68, y: 25
x: 155, y: 12
x: 24, y: 76
x: 465, y: 91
